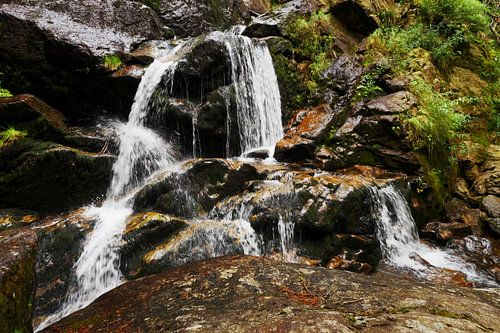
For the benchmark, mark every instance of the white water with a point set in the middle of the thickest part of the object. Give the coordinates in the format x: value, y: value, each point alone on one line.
x: 401, y: 247
x: 142, y: 152
x: 257, y: 91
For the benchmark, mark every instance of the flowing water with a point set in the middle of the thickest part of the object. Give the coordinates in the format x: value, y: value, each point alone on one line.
x: 401, y: 247
x: 142, y: 152
x: 257, y: 92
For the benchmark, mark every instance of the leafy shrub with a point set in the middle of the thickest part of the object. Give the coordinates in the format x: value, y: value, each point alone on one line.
x: 367, y: 87
x: 436, y: 124
x: 313, y: 40
x: 468, y: 14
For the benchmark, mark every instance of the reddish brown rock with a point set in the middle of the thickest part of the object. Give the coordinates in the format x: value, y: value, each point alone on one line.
x: 249, y: 294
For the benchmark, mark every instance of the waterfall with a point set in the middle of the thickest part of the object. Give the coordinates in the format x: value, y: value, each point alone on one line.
x: 256, y: 91
x: 141, y: 153
x: 400, y: 244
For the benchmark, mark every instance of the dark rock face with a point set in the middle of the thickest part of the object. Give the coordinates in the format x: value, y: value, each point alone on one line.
x: 355, y: 17
x: 195, y: 17
x: 48, y: 177
x: 145, y: 231
x: 58, y: 50
x: 17, y: 279
x: 196, y: 107
x: 26, y: 112
x: 331, y: 212
x: 373, y: 135
x: 248, y: 294
x: 60, y: 241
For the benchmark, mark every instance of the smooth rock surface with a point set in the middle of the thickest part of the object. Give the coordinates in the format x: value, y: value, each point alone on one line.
x: 249, y: 294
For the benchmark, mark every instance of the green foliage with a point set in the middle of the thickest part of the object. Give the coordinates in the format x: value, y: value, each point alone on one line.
x: 436, y: 125
x: 112, y: 62
x: 5, y: 93
x: 10, y: 135
x: 313, y: 41
x: 463, y: 14
x: 367, y: 87
x: 492, y: 101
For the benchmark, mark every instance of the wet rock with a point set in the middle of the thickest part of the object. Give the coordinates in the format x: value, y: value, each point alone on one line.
x: 399, y: 102
x: 253, y: 294
x: 488, y: 180
x: 343, y: 74
x: 354, y: 144
x: 59, y: 50
x: 319, y: 205
x: 461, y: 212
x: 491, y: 204
x: 26, y: 112
x: 200, y: 240
x: 16, y: 218
x: 446, y: 231
x: 306, y: 128
x: 60, y: 241
x: 47, y: 177
x: 258, y: 153
x: 193, y: 18
x: 480, y: 251
x: 260, y: 28
x: 209, y: 180
x: 145, y: 231
x: 17, y: 279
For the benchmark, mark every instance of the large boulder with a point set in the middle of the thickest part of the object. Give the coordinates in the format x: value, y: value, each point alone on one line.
x: 323, y: 208
x: 306, y: 128
x: 373, y: 135
x: 248, y: 294
x: 196, y: 17
x: 65, y: 62
x: 26, y: 112
x: 60, y: 240
x: 18, y: 249
x: 48, y: 177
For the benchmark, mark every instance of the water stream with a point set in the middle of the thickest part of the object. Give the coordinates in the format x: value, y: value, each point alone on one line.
x: 257, y: 92
x: 142, y: 152
x: 401, y: 247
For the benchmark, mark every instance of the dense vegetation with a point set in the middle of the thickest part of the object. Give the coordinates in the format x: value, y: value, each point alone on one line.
x: 447, y: 52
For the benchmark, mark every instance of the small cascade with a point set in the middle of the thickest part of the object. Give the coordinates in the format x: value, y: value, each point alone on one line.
x: 256, y: 90
x: 142, y: 152
x: 286, y: 233
x: 400, y: 244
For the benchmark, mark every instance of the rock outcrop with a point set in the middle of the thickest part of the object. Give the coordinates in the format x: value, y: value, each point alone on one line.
x: 18, y: 249
x: 60, y: 50
x: 248, y: 294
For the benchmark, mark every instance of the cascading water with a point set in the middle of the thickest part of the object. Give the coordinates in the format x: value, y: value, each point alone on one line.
x: 401, y: 247
x: 256, y: 91
x: 141, y: 153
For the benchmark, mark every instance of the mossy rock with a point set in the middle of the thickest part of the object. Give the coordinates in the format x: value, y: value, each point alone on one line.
x: 17, y: 279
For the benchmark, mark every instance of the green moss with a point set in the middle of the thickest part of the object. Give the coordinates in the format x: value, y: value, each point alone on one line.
x: 112, y: 62
x: 313, y: 42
